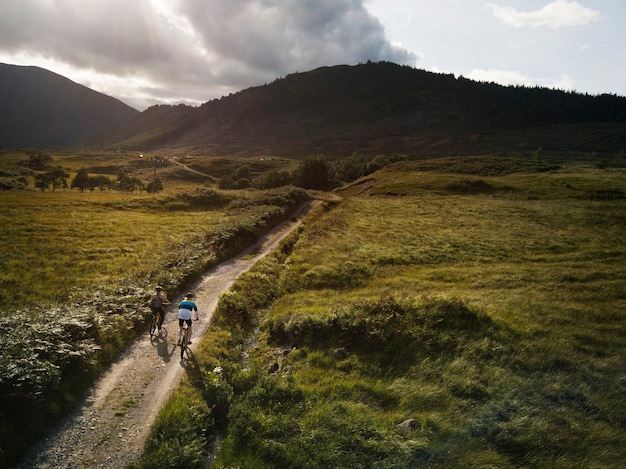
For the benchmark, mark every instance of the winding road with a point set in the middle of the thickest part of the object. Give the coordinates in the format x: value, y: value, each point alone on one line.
x: 110, y: 426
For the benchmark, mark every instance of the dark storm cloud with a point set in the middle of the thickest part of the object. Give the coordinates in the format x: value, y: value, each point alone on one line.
x: 273, y: 35
x: 108, y: 35
x: 196, y: 49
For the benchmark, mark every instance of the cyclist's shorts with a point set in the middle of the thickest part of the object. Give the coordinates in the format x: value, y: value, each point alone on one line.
x: 183, y: 321
x: 184, y: 314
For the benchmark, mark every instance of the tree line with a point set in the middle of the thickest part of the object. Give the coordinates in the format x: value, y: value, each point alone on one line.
x: 125, y: 182
x: 55, y: 177
x: 314, y: 172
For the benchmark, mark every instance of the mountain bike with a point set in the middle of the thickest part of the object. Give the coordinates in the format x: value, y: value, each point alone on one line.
x: 157, y: 318
x: 184, y: 343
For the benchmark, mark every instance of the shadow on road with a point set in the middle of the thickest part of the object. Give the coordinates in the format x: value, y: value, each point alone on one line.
x: 163, y: 347
x: 191, y: 366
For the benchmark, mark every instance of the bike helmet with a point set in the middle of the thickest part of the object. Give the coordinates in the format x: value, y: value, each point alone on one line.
x: 189, y: 295
x: 158, y: 287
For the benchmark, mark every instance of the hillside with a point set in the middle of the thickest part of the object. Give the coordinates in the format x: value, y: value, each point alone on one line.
x: 44, y: 110
x: 372, y: 108
x: 378, y: 108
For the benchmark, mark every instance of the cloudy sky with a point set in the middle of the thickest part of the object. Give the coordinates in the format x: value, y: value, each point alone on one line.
x: 147, y: 52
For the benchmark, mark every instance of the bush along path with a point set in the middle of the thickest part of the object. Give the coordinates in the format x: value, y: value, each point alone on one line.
x: 110, y: 426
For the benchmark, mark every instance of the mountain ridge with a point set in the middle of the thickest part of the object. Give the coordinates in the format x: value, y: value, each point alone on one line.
x: 42, y: 109
x: 382, y: 107
x: 371, y: 108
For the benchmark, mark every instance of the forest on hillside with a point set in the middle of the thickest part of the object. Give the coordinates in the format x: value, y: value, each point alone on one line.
x: 385, y: 88
x: 377, y: 108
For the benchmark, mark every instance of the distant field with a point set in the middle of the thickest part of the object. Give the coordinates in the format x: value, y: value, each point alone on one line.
x: 56, y: 242
x: 431, y: 318
x: 53, y: 243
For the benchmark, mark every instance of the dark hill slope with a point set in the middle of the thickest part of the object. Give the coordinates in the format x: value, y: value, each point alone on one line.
x: 385, y: 108
x: 41, y: 109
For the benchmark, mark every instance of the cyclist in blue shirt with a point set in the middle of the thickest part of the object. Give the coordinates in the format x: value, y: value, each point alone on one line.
x: 186, y: 308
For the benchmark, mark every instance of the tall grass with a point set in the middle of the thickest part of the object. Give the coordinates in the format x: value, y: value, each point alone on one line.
x: 430, y: 321
x: 177, y: 436
x: 77, y: 271
x: 57, y: 244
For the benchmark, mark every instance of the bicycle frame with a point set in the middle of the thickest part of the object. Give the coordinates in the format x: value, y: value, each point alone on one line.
x: 156, y: 318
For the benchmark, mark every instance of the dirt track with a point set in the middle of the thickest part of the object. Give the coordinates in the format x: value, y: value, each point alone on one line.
x: 111, y: 425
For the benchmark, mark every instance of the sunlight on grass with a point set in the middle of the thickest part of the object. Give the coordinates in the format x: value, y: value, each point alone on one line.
x: 83, y: 242
x: 445, y: 313
x: 504, y: 348
x: 76, y: 273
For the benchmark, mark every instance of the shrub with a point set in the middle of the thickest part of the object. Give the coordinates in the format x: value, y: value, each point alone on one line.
x: 344, y: 276
x: 232, y: 310
x: 11, y: 183
x: 397, y: 333
x: 261, y: 289
x: 39, y: 350
x: 217, y: 394
x: 47, y: 360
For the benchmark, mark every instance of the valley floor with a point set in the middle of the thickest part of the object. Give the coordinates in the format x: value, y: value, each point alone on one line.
x: 111, y: 425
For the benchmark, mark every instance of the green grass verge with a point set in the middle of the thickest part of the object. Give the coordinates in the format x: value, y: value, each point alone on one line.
x: 429, y: 319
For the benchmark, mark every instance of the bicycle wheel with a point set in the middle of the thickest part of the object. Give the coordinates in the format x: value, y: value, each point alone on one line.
x: 153, y: 324
x: 183, y: 343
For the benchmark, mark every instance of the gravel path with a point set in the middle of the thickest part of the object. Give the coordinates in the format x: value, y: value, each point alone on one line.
x: 109, y: 428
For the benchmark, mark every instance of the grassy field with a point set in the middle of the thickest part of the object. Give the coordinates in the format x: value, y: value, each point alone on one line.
x: 77, y: 270
x: 81, y: 239
x: 66, y: 242
x: 440, y: 314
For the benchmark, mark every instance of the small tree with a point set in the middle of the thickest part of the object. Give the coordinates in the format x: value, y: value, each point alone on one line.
x: 81, y: 180
x: 41, y: 181
x: 225, y: 182
x: 238, y: 179
x: 137, y: 184
x: 272, y: 179
x: 241, y: 183
x: 154, y: 186
x: 313, y: 173
x: 38, y: 160
x: 128, y: 183
x: 101, y: 181
x: 242, y: 172
x: 56, y: 178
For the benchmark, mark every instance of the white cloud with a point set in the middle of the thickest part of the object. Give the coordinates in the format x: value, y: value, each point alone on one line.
x: 557, y: 14
x: 502, y: 77
x: 269, y: 36
x: 516, y: 78
x: 148, y: 52
x: 564, y: 83
x: 164, y: 51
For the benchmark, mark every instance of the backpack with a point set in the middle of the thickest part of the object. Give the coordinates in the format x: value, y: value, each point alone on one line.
x: 157, y: 302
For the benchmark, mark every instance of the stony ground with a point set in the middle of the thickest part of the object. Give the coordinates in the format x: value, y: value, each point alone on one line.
x: 110, y: 427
